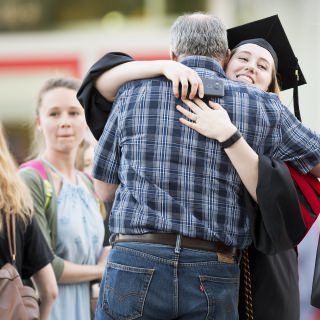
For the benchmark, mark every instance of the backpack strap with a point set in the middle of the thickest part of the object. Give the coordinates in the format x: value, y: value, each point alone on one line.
x: 11, y: 231
x: 38, y: 166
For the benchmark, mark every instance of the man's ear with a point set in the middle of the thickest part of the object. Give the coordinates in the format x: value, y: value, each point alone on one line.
x: 173, y: 56
x: 228, y: 54
x: 227, y: 58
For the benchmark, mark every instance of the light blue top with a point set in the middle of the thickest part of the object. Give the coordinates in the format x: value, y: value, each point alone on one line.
x: 79, y: 240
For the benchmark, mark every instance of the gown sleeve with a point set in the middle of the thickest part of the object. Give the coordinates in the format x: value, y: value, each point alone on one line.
x: 96, y: 107
x: 276, y: 222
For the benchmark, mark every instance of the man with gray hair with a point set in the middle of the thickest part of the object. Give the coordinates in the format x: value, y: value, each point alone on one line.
x: 188, y: 37
x: 179, y: 218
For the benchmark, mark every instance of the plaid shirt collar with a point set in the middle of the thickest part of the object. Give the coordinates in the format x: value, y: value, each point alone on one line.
x: 204, y: 63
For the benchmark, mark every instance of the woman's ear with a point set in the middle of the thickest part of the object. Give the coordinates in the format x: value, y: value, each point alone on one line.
x: 38, y: 124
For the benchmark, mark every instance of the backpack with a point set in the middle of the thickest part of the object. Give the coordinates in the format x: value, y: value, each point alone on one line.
x: 17, y: 302
x: 38, y: 166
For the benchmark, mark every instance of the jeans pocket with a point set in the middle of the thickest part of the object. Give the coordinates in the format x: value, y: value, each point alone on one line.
x: 222, y: 297
x: 125, y: 290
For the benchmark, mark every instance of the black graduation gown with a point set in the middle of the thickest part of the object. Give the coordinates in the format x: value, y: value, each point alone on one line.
x: 96, y: 107
x: 275, y: 290
x: 274, y: 278
x: 277, y: 226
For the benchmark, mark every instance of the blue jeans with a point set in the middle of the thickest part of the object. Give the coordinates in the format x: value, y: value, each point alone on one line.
x: 150, y: 281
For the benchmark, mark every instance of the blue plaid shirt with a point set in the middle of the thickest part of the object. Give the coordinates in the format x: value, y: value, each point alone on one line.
x: 171, y: 179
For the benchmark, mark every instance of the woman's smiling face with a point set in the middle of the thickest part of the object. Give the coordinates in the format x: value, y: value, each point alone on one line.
x: 252, y: 64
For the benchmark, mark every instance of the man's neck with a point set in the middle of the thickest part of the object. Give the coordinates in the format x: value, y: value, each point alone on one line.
x: 221, y: 62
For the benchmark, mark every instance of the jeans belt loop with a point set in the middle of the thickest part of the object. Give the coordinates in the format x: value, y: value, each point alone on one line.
x: 112, y: 239
x: 178, y: 244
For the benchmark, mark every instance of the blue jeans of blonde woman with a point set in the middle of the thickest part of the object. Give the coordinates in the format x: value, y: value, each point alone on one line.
x: 150, y: 281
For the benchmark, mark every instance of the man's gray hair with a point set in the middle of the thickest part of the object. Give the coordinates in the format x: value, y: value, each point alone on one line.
x: 198, y: 34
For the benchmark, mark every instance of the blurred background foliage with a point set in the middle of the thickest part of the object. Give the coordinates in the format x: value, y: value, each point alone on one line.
x: 28, y: 15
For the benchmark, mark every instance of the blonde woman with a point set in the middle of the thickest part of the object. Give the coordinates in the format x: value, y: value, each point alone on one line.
x: 72, y: 223
x: 33, y: 255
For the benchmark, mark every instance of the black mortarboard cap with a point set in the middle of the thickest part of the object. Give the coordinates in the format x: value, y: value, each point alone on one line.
x: 271, y: 30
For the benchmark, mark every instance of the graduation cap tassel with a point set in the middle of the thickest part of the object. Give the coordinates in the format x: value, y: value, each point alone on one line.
x: 247, y: 285
x: 296, y: 97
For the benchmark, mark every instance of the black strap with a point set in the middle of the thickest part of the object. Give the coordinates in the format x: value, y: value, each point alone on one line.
x: 11, y: 231
x: 231, y: 140
x: 296, y: 96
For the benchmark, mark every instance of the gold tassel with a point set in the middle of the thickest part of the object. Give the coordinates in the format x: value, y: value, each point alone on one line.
x: 247, y: 285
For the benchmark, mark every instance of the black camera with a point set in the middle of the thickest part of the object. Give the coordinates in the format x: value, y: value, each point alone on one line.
x: 213, y: 87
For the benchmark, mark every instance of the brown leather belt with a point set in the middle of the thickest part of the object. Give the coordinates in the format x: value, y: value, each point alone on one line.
x: 170, y: 239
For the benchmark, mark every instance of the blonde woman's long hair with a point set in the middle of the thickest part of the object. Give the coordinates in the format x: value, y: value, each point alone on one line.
x: 15, y: 197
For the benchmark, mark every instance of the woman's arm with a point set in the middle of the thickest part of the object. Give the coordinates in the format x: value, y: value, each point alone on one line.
x: 43, y: 215
x: 75, y: 273
x: 45, y: 282
x: 215, y: 123
x: 65, y: 271
x: 96, y: 107
x: 96, y: 102
x: 110, y: 81
x: 246, y: 162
